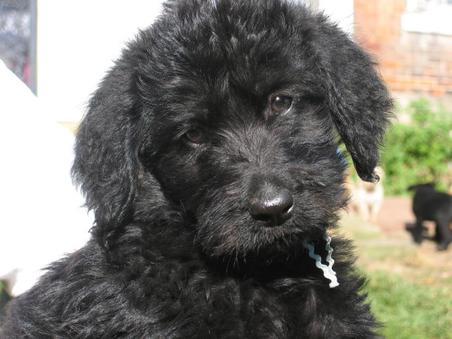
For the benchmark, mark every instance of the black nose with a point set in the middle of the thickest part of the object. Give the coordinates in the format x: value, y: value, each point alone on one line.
x: 271, y: 204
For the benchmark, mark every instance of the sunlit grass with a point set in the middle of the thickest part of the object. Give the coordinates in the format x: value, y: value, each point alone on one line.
x: 410, y: 287
x: 408, y: 310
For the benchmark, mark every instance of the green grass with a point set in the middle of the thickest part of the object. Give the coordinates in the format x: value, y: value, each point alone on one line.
x: 410, y: 287
x: 408, y: 310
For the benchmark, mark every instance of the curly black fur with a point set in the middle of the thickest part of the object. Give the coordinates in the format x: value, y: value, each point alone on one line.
x: 175, y: 252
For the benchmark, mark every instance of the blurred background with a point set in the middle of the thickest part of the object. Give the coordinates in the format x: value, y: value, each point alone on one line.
x: 61, y: 49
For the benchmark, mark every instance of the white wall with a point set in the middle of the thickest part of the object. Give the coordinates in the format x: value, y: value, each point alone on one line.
x: 431, y: 17
x: 77, y: 43
x: 339, y: 11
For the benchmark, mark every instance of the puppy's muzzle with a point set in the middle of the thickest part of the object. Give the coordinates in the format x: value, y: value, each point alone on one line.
x: 269, y: 201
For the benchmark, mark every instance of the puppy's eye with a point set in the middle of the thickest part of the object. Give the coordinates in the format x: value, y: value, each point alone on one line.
x: 194, y: 136
x: 280, y: 104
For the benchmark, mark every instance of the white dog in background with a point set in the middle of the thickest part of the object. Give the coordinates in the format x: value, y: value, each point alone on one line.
x: 367, y: 198
x: 42, y: 217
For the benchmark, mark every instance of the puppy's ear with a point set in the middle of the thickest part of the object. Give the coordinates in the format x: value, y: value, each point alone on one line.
x: 357, y: 98
x: 105, y: 164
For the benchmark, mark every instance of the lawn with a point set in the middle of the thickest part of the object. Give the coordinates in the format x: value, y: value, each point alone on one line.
x: 410, y: 287
x: 409, y: 310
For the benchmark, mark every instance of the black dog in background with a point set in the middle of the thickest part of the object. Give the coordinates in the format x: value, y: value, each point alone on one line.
x: 431, y: 205
x: 209, y: 156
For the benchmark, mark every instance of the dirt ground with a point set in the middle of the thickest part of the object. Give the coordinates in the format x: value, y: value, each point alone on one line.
x: 395, y: 212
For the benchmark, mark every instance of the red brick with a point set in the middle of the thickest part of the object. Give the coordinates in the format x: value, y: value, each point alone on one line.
x: 410, y: 62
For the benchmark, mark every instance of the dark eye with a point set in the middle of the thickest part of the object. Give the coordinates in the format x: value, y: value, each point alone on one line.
x: 194, y: 136
x: 280, y: 104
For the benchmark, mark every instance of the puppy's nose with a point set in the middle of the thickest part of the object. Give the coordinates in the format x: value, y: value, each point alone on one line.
x: 271, y: 204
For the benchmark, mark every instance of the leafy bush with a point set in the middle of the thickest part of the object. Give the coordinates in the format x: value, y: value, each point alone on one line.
x: 419, y: 151
x: 4, y: 298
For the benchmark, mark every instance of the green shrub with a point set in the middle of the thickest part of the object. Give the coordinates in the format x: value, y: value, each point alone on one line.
x: 420, y: 151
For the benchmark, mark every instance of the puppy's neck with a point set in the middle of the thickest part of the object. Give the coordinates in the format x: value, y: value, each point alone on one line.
x: 267, y: 264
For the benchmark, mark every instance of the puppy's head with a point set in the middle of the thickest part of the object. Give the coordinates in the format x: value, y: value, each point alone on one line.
x: 229, y: 113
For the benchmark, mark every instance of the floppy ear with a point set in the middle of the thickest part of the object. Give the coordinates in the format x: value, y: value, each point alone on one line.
x: 105, y: 164
x: 357, y: 98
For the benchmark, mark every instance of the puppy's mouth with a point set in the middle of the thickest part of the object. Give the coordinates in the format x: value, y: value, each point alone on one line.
x: 241, y: 239
x: 269, y: 232
x: 275, y: 219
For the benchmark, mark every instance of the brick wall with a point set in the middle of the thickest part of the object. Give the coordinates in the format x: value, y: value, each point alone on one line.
x: 416, y: 63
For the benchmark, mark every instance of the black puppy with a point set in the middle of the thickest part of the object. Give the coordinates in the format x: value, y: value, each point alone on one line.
x: 431, y: 205
x: 209, y: 156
